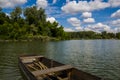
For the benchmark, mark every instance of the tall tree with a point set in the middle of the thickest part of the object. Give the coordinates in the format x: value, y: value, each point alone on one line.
x: 3, y: 17
x: 34, y: 16
x: 118, y: 35
x: 15, y: 14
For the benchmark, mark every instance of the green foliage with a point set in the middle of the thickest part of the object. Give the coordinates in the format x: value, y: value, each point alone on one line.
x: 82, y: 35
x: 106, y: 35
x: 118, y: 35
x: 3, y: 18
x: 15, y: 14
x: 32, y: 24
x: 34, y: 16
x: 92, y: 35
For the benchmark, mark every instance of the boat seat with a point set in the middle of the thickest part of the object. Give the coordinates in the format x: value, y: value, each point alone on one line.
x: 29, y: 59
x: 51, y: 70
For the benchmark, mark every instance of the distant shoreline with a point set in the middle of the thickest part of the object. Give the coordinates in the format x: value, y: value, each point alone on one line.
x: 45, y: 40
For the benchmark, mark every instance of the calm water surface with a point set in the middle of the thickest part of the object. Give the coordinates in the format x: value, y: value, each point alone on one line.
x: 98, y: 57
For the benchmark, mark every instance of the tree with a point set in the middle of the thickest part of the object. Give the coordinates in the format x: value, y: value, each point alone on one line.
x: 15, y: 14
x: 60, y: 33
x: 3, y: 17
x: 33, y: 23
x: 34, y: 16
x: 118, y: 35
x: 0, y: 9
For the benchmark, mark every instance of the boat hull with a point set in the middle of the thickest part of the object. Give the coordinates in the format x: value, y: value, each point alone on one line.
x: 75, y: 73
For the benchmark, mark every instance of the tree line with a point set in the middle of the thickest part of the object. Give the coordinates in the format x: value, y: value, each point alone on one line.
x: 28, y: 23
x: 93, y: 35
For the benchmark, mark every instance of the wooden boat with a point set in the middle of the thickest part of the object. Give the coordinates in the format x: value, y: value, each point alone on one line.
x: 42, y: 68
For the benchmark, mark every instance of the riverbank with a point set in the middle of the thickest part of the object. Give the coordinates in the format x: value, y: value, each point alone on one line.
x: 44, y: 39
x: 29, y: 39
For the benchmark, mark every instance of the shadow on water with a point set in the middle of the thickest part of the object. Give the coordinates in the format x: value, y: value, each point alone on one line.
x: 99, y: 57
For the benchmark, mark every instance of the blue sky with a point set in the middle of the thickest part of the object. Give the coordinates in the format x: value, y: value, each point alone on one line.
x: 75, y: 15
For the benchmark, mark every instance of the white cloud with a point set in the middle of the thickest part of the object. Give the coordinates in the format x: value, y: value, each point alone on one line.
x: 99, y: 27
x: 89, y: 20
x: 116, y: 14
x: 116, y: 23
x: 114, y: 3
x: 88, y: 29
x: 117, y: 30
x: 79, y: 28
x: 68, y: 30
x: 54, y: 1
x: 67, y: 1
x: 8, y: 14
x: 87, y: 14
x: 51, y: 19
x: 74, y: 21
x: 84, y: 6
x: 41, y: 3
x: 11, y: 3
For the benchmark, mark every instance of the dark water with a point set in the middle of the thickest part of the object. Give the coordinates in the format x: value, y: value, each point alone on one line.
x: 98, y: 57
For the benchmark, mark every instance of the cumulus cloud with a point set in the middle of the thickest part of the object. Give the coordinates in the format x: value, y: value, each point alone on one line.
x: 11, y: 3
x: 89, y: 20
x: 116, y: 14
x: 68, y: 30
x: 84, y: 6
x: 74, y: 21
x: 88, y: 29
x: 41, y: 3
x: 86, y: 14
x: 67, y: 0
x: 51, y: 19
x: 79, y: 28
x: 114, y: 3
x: 54, y: 1
x: 117, y: 30
x: 99, y: 27
x: 116, y: 23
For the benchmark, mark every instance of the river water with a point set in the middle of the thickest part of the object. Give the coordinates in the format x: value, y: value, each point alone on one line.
x: 98, y: 57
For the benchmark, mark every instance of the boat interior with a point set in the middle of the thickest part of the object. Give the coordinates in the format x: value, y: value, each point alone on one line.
x: 47, y: 69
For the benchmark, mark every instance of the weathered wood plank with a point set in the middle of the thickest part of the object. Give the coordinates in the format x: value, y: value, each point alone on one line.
x: 51, y: 70
x: 28, y: 59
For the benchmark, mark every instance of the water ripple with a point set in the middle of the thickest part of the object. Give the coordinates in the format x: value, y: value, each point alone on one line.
x: 98, y: 57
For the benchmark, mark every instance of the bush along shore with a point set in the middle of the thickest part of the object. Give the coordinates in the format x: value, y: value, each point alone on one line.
x: 40, y: 38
